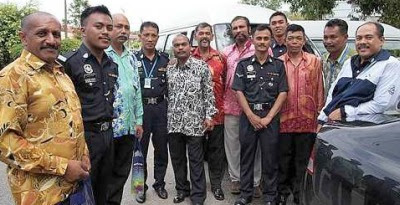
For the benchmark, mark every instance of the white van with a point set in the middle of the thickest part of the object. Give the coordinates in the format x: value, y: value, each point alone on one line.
x: 219, y: 17
x: 315, y: 31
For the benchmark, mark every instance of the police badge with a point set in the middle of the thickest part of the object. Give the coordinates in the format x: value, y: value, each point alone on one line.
x: 88, y: 68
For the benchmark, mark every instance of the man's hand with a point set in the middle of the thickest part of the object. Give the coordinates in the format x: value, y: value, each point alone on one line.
x: 335, y: 115
x: 139, y: 131
x: 172, y: 61
x: 265, y: 121
x: 208, y: 125
x: 75, y: 171
x: 255, y: 120
x: 86, y: 163
x: 319, y: 127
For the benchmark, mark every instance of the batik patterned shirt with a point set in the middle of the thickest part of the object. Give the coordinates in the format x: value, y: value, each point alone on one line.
x: 127, y: 64
x: 41, y: 129
x: 306, y: 94
x: 332, y: 68
x: 217, y: 65
x: 191, y: 97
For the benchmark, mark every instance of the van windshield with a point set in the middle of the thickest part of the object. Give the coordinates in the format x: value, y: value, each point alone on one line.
x: 393, y: 46
x: 223, y: 38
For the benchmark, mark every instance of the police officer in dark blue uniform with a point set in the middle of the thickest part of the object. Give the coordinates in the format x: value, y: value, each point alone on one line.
x: 261, y: 85
x: 152, y: 66
x: 94, y: 76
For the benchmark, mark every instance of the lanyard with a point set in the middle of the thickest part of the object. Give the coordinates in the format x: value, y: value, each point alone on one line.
x: 149, y: 75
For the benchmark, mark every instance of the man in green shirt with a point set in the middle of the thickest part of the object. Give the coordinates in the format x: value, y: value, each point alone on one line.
x: 335, y: 42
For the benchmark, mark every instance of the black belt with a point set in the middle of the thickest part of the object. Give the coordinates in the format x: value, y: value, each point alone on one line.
x: 260, y: 106
x: 153, y: 100
x: 102, y: 126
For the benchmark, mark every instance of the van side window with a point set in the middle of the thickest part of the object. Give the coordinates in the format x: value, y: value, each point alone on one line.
x: 168, y: 45
x: 161, y: 42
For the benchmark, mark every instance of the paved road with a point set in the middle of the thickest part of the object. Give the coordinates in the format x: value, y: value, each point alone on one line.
x: 128, y: 198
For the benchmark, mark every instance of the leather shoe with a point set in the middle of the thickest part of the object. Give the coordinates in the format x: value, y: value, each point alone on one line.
x: 218, y: 194
x: 242, y: 201
x: 180, y: 197
x: 162, y: 193
x: 282, y: 200
x: 141, y: 197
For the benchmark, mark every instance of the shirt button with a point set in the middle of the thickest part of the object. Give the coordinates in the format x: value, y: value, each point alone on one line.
x: 104, y: 83
x: 261, y: 78
x: 107, y: 99
x: 261, y: 67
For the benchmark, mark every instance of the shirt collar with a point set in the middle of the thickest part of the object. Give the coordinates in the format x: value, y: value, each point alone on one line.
x: 342, y: 55
x: 212, y: 53
x: 254, y: 59
x: 36, y: 63
x: 125, y: 51
x: 380, y: 56
x: 142, y: 56
x: 86, y: 54
x: 247, y: 45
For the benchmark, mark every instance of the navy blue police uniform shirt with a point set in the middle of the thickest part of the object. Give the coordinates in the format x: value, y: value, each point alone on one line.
x: 158, y: 76
x: 94, y: 83
x: 260, y: 83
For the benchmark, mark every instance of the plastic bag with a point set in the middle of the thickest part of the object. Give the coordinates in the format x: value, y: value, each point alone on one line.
x: 83, y: 195
x: 137, y: 180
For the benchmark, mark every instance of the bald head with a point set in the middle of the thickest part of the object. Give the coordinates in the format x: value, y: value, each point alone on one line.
x: 121, y: 30
x: 26, y: 23
x: 41, y: 36
x: 181, y: 47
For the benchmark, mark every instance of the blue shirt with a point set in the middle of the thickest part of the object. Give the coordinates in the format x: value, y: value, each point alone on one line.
x: 127, y: 117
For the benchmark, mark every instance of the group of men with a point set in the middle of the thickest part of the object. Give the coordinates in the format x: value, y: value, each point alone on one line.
x: 257, y: 106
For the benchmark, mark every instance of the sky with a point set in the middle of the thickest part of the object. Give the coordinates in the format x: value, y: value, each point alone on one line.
x: 137, y: 11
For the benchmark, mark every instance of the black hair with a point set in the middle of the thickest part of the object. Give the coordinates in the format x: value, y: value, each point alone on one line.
x: 202, y: 25
x: 149, y: 24
x: 262, y: 27
x: 343, y: 27
x: 241, y: 18
x: 295, y: 28
x: 91, y: 10
x: 379, y: 28
x: 278, y: 13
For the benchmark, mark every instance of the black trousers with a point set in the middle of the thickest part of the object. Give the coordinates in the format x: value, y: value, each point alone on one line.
x: 295, y: 150
x: 100, y: 145
x: 155, y: 126
x: 177, y: 145
x: 123, y: 151
x: 215, y: 151
x: 249, y: 139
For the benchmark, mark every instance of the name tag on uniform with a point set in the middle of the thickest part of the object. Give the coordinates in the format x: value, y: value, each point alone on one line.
x: 251, y: 74
x: 147, y: 83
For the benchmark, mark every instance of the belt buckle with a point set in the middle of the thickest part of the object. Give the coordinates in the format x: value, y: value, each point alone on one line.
x: 104, y: 126
x: 257, y: 106
x: 152, y: 101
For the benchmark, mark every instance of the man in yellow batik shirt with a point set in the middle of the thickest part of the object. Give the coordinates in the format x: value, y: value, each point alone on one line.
x: 41, y: 129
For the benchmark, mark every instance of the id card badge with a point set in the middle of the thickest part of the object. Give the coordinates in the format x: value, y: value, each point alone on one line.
x: 147, y: 83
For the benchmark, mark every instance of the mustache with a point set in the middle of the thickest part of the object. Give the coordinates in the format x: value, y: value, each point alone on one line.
x: 49, y: 47
x: 205, y: 39
x: 240, y: 33
x: 123, y: 36
x: 362, y: 46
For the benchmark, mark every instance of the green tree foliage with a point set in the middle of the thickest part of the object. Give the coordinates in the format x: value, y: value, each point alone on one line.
x: 10, y: 24
x: 271, y: 4
x: 312, y: 9
x: 69, y: 44
x: 75, y: 9
x: 389, y: 9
